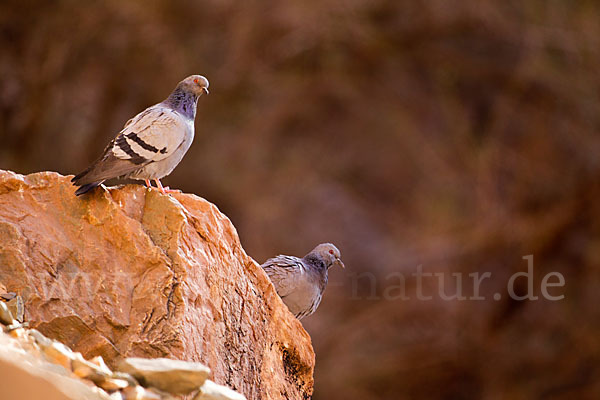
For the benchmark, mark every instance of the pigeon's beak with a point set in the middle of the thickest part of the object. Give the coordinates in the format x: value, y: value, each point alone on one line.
x: 205, y: 89
x: 339, y: 262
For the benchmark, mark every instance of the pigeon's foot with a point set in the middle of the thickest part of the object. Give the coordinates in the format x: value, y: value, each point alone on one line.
x: 165, y: 190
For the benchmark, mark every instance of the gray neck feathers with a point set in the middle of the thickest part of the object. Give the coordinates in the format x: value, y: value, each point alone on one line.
x: 316, y: 262
x: 318, y: 268
x: 183, y: 102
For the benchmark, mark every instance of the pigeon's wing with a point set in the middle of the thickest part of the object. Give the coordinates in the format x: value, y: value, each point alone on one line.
x: 152, y: 135
x: 284, y: 272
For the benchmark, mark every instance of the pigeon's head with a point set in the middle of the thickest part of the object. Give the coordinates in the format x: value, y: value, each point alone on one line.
x: 196, y: 84
x: 328, y: 253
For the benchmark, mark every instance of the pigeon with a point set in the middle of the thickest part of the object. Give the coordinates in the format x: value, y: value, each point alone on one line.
x: 152, y: 143
x: 300, y: 282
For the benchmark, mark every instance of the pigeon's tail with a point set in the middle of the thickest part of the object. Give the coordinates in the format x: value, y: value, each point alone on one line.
x: 106, y: 167
x: 86, y: 188
x: 85, y: 181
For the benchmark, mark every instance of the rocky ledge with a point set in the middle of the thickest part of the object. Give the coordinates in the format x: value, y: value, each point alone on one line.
x: 33, y: 366
x: 129, y: 272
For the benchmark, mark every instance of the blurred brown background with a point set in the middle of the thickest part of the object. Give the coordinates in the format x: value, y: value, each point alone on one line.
x: 460, y: 136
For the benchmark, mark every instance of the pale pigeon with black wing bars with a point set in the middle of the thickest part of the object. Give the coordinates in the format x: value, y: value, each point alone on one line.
x: 300, y: 282
x: 152, y: 143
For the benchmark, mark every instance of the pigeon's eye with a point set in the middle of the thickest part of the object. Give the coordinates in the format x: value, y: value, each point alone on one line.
x: 196, y: 80
x: 330, y: 251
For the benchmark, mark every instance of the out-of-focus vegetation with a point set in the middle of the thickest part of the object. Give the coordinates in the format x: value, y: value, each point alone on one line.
x: 460, y: 136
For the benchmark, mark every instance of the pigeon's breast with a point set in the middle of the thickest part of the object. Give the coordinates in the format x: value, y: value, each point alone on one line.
x: 306, y: 296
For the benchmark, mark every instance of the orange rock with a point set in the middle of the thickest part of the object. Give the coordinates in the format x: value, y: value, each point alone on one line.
x: 132, y: 272
x: 59, y: 354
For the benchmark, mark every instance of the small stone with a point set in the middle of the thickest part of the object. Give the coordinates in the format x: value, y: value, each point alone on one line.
x: 171, y: 376
x: 8, y: 296
x: 15, y: 305
x: 59, y: 354
x: 87, y: 370
x: 125, y: 377
x: 40, y: 339
x: 139, y: 393
x: 102, y: 376
x: 5, y: 315
x: 28, y: 344
x: 213, y: 391
x: 99, y: 361
x: 17, y: 331
x: 116, y: 396
x: 111, y: 384
x: 15, y: 326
